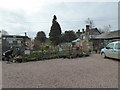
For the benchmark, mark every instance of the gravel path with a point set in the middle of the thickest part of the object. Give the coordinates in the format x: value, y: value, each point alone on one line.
x: 88, y: 72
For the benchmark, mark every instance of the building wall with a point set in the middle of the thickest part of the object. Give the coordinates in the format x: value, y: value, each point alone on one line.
x: 12, y: 42
x: 8, y: 43
x: 85, y: 45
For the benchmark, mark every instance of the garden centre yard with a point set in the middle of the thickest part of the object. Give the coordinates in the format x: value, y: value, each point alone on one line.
x: 86, y: 72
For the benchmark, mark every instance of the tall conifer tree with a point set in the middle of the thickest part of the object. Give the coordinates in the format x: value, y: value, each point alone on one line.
x: 55, y: 31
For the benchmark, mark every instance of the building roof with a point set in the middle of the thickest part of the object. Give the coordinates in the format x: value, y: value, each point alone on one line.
x: 15, y: 36
x: 109, y: 35
x: 76, y: 40
x: 95, y: 31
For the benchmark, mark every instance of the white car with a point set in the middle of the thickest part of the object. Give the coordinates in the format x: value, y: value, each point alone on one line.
x: 112, y: 50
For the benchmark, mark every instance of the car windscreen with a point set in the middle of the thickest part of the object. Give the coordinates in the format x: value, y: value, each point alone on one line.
x: 117, y: 46
x: 110, y: 46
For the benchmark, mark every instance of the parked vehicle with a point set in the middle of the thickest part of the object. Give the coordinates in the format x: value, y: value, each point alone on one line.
x: 112, y: 50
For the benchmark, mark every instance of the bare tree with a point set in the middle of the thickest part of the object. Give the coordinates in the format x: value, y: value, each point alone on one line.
x: 90, y: 22
x: 106, y: 28
x: 3, y: 32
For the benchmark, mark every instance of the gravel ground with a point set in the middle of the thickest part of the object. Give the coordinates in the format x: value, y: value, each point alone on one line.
x: 88, y: 72
x: 0, y: 75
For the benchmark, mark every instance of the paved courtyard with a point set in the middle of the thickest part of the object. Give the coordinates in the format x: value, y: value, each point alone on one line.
x: 88, y: 72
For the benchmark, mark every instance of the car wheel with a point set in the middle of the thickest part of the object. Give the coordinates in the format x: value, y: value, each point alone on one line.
x: 103, y: 55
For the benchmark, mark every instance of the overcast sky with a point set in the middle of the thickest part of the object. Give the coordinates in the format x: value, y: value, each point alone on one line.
x: 31, y: 16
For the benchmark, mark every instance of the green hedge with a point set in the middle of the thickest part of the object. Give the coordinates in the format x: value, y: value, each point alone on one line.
x: 39, y: 55
x: 48, y: 54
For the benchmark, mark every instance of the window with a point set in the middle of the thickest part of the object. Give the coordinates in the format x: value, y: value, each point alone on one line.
x: 14, y: 42
x: 19, y: 42
x: 117, y: 46
x: 110, y: 46
x: 10, y: 41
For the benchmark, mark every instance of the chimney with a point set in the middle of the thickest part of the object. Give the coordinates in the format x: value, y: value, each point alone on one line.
x: 87, y: 27
x: 25, y: 34
x: 78, y: 30
x: 83, y: 30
